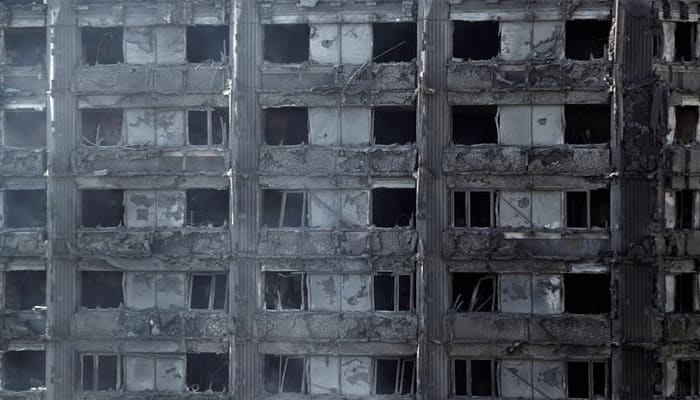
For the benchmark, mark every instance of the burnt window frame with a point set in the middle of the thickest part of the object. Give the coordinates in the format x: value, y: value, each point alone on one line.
x: 282, y: 370
x: 84, y: 141
x: 304, y: 223
x: 3, y: 117
x: 493, y: 197
x: 84, y: 59
x: 210, y: 111
x: 694, y: 387
x: 215, y: 277
x: 205, y: 354
x: 570, y: 108
x: 693, y: 31
x: 303, y: 290
x: 459, y: 110
x: 495, y: 381
x: 591, y: 376
x: 400, y: 374
x: 11, y: 31
x: 411, y: 218
x: 496, y: 284
x: 380, y: 58
x: 589, y: 215
x: 678, y: 287
x: 119, y: 379
x: 677, y: 109
x: 396, y: 291
x: 8, y: 383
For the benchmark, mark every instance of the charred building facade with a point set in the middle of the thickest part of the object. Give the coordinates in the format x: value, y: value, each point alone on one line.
x: 349, y: 199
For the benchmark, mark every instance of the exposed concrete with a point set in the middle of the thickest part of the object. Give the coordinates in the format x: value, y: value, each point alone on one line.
x: 150, y: 324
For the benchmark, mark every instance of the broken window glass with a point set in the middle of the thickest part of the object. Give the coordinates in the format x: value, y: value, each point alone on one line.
x: 393, y: 292
x: 286, y: 126
x: 208, y: 292
x: 284, y: 209
x: 685, y: 38
x: 103, y: 45
x: 207, y: 127
x: 102, y: 208
x: 393, y: 207
x: 473, y: 292
x: 474, y: 209
x: 686, y: 124
x: 394, y: 125
x: 101, y: 289
x: 25, y: 129
x: 474, y: 377
x: 24, y: 370
x: 688, y: 378
x: 207, y: 372
x: 100, y: 372
x: 25, y: 290
x: 474, y: 125
x: 587, y: 39
x: 587, y: 123
x: 286, y: 43
x: 394, y: 42
x: 25, y: 208
x: 25, y: 47
x: 285, y: 291
x: 587, y: 379
x: 587, y: 293
x: 588, y: 209
x: 207, y: 207
x: 207, y: 43
x: 285, y: 374
x: 478, y: 40
x: 102, y: 127
x: 394, y: 376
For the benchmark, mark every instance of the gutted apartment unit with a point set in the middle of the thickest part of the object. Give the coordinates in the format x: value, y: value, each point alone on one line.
x: 400, y: 199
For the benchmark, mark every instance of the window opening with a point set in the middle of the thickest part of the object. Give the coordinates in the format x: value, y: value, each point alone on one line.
x: 103, y: 45
x: 394, y: 376
x: 394, y: 125
x: 207, y: 43
x: 285, y: 374
x: 587, y: 39
x: 25, y: 208
x: 101, y: 289
x: 102, y: 208
x: 286, y: 126
x: 25, y: 290
x: 207, y: 207
x: 473, y: 292
x: 102, y: 127
x: 393, y: 292
x: 285, y: 291
x: 474, y: 209
x: 686, y: 124
x: 393, y: 207
x: 474, y: 125
x: 478, y: 40
x: 587, y: 379
x: 25, y: 129
x: 24, y: 370
x: 25, y: 47
x: 284, y: 209
x: 685, y: 41
x: 474, y: 377
x: 286, y: 43
x: 207, y: 372
x: 587, y: 293
x: 208, y: 292
x: 587, y: 123
x: 394, y: 42
x: 100, y: 372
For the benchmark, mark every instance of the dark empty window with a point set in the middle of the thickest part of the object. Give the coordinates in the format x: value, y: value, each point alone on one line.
x: 102, y: 208
x: 474, y: 125
x: 207, y: 127
x: 394, y: 125
x: 394, y: 42
x: 686, y: 124
x: 26, y: 129
x: 25, y: 47
x: 208, y: 292
x: 393, y: 207
x: 473, y: 292
x: 103, y: 45
x: 393, y: 292
x: 286, y: 43
x: 25, y: 290
x: 686, y: 298
x: 101, y: 289
x: 286, y: 126
x: 25, y: 208
x: 588, y: 209
x: 207, y: 207
x: 394, y: 376
x: 285, y: 290
x: 685, y: 206
x: 207, y: 372
x: 587, y: 39
x: 284, y: 209
x: 24, y: 370
x: 285, y: 374
x: 688, y: 378
x: 102, y: 127
x: 100, y: 372
x: 475, y: 40
x: 587, y: 123
x: 587, y: 379
x: 474, y: 378
x: 474, y: 209
x: 206, y: 43
x: 685, y: 41
x: 587, y: 293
